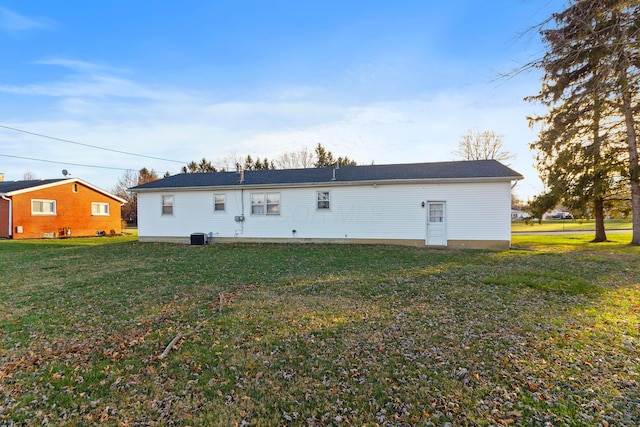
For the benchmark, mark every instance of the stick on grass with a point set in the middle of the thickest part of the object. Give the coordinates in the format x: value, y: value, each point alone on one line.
x: 170, y: 346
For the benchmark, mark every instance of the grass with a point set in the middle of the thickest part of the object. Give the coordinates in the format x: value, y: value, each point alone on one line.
x: 567, y: 225
x: 319, y: 334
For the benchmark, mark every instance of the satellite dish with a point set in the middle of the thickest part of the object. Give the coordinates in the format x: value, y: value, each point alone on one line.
x: 65, y: 172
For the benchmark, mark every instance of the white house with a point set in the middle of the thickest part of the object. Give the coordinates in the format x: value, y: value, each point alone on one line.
x: 465, y: 204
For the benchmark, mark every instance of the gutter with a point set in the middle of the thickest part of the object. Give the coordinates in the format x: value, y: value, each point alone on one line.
x: 4, y: 197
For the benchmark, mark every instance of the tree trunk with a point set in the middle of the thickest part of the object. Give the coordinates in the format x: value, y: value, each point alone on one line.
x: 599, y: 177
x: 625, y: 65
x: 598, y: 208
x: 634, y: 170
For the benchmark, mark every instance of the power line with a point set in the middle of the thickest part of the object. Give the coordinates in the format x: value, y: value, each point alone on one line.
x: 65, y: 163
x: 91, y: 146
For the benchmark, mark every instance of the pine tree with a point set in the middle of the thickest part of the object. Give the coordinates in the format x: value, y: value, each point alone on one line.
x: 591, y: 79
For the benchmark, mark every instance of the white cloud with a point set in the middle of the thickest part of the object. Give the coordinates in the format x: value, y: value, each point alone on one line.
x: 79, y: 65
x: 171, y: 123
x: 14, y: 23
x: 88, y: 86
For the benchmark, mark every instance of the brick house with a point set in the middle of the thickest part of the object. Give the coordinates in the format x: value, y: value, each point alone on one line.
x: 51, y: 208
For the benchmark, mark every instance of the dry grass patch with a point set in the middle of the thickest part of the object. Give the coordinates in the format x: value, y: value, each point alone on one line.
x: 319, y: 334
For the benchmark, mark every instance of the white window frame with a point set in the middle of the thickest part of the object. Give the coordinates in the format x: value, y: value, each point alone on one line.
x: 217, y: 202
x: 323, y: 200
x: 167, y: 202
x: 100, y: 209
x: 43, y: 211
x: 257, y: 204
x: 273, y: 203
x: 265, y: 203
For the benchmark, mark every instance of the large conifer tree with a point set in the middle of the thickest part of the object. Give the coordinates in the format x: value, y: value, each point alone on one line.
x: 591, y: 84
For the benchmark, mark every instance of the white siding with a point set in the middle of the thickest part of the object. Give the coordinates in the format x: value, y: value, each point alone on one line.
x: 474, y: 211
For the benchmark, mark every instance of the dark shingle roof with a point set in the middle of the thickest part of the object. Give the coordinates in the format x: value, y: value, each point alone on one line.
x: 9, y: 186
x: 475, y: 169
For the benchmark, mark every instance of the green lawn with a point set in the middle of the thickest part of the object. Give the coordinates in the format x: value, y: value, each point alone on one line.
x: 319, y: 334
x: 568, y: 225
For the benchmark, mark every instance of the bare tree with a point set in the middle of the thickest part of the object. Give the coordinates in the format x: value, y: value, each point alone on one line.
x: 28, y: 176
x: 295, y: 159
x: 485, y: 145
x: 130, y: 179
x: 229, y: 162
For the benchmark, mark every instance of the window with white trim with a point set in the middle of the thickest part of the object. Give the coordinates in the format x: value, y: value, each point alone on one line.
x: 265, y: 204
x: 99, y: 209
x: 273, y: 203
x: 167, y: 205
x: 218, y: 202
x: 323, y: 199
x: 43, y: 207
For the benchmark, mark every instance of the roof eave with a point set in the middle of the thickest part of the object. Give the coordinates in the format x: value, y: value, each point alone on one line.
x: 61, y: 182
x: 330, y: 183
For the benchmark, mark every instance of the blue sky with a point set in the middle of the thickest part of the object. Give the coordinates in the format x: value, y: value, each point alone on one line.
x: 377, y: 81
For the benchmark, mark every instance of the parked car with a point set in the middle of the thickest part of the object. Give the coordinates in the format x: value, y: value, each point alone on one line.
x: 562, y: 215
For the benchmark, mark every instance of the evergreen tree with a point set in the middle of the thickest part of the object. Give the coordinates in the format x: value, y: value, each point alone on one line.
x: 324, y: 158
x: 591, y: 84
x: 202, y: 167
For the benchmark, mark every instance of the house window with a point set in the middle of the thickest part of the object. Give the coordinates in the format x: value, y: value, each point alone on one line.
x: 218, y: 202
x: 265, y: 203
x: 99, y: 209
x: 167, y: 205
x: 257, y: 204
x: 273, y: 203
x: 323, y: 200
x: 75, y: 188
x: 43, y: 207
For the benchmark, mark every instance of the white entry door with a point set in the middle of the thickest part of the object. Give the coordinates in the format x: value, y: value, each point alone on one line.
x: 436, y: 235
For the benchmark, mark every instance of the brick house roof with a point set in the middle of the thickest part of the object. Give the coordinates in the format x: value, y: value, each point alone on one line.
x: 9, y: 186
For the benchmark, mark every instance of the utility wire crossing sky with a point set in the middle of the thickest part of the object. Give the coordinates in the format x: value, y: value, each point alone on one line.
x: 125, y: 85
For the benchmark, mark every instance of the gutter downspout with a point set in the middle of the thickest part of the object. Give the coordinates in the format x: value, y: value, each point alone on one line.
x: 10, y: 214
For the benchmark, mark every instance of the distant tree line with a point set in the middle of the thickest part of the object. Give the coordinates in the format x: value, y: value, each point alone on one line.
x: 321, y: 157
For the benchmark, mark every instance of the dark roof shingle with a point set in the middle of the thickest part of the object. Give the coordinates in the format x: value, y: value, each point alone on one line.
x: 475, y: 169
x: 9, y: 186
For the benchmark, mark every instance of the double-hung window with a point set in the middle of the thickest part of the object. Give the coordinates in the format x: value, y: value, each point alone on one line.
x: 167, y: 205
x: 273, y: 203
x: 323, y: 199
x: 43, y: 207
x: 257, y: 204
x: 99, y: 209
x: 218, y: 202
x: 265, y: 203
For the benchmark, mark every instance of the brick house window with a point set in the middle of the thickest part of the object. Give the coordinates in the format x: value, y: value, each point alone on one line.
x: 43, y: 207
x: 99, y: 209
